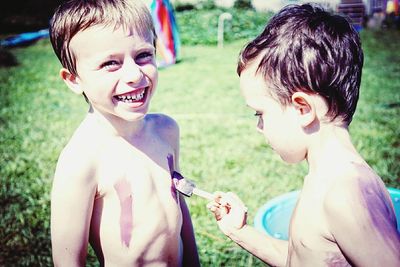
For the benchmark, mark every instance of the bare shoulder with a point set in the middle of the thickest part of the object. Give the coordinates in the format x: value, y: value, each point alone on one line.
x: 359, y: 211
x: 164, y: 122
x: 348, y: 185
x: 76, y: 162
x: 356, y: 191
x: 164, y: 125
x: 76, y: 153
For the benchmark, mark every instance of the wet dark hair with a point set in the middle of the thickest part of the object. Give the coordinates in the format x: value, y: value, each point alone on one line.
x: 305, y: 48
x: 74, y: 16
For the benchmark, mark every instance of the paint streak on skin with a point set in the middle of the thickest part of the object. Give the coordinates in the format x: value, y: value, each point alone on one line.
x: 170, y: 160
x: 379, y: 209
x: 336, y: 260
x: 171, y: 167
x: 124, y: 193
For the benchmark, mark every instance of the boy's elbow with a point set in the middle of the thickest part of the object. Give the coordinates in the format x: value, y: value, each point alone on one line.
x: 65, y: 257
x: 64, y: 262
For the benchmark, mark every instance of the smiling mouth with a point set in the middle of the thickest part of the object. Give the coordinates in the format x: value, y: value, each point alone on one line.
x: 132, y: 97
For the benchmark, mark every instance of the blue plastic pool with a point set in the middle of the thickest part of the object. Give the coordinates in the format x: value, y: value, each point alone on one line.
x: 274, y: 216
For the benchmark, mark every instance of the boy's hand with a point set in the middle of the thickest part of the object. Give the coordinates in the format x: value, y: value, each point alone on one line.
x: 229, y: 211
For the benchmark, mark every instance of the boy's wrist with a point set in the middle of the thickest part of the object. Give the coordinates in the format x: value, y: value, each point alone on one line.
x: 236, y: 234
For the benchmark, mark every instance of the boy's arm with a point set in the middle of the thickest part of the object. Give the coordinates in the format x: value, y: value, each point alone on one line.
x: 231, y: 215
x: 71, y: 207
x: 268, y: 249
x: 364, y: 227
x: 190, y: 254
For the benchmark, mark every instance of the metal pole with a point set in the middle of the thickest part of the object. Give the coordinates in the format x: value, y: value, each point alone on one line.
x: 222, y: 17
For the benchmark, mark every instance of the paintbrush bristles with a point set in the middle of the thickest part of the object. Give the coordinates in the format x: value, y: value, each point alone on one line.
x: 188, y: 188
x: 185, y: 187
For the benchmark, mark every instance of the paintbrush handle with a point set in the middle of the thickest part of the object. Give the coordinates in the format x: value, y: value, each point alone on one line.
x: 202, y: 193
x: 209, y: 196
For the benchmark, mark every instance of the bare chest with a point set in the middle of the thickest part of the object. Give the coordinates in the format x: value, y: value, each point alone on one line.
x: 136, y: 207
x: 143, y: 169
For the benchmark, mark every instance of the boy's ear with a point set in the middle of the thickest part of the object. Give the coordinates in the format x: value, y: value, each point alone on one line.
x: 71, y: 80
x: 305, y: 108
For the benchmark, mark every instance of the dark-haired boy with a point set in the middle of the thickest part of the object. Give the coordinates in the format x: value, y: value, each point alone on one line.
x: 302, y: 75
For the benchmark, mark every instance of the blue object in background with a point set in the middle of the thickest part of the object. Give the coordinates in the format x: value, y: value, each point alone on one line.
x: 24, y: 38
x: 274, y: 216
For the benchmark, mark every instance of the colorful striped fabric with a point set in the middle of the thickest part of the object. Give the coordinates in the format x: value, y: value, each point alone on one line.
x: 168, y: 42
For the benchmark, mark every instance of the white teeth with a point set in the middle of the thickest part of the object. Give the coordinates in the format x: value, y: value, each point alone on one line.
x: 131, y: 97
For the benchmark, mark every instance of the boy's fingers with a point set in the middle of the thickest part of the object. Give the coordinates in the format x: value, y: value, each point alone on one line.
x: 217, y: 196
x: 217, y: 213
x: 237, y: 200
x: 228, y: 200
x: 210, y: 207
x: 232, y: 201
x: 234, y: 197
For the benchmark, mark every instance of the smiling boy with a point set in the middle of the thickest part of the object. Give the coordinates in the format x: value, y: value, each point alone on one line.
x: 112, y: 186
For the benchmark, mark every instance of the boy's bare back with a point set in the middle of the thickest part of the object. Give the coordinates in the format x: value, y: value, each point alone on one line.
x: 339, y: 206
x: 126, y: 193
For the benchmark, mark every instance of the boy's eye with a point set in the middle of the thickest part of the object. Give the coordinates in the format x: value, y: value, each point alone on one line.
x: 144, y: 57
x: 110, y: 65
x: 258, y: 114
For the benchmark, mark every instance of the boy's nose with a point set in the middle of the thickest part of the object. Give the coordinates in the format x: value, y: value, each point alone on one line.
x: 133, y: 73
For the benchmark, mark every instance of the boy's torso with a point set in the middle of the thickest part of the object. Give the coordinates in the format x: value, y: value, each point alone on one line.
x: 311, y: 240
x: 136, y: 217
x: 310, y: 243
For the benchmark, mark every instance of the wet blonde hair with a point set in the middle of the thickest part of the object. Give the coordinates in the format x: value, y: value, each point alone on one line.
x: 74, y: 16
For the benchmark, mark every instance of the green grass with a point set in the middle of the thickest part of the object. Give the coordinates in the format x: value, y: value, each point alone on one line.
x: 220, y: 150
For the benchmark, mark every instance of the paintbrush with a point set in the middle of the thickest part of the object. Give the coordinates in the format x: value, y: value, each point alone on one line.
x: 188, y: 188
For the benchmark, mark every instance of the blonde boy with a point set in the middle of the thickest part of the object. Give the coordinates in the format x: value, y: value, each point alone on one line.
x: 112, y: 187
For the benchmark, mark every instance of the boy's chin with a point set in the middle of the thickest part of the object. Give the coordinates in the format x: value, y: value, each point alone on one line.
x: 135, y: 117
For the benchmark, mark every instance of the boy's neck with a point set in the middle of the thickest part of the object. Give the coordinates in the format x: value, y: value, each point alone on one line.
x: 330, y: 146
x: 116, y: 126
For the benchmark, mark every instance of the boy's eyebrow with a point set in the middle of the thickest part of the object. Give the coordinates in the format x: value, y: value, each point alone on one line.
x: 146, y: 46
x: 102, y: 58
x: 99, y: 60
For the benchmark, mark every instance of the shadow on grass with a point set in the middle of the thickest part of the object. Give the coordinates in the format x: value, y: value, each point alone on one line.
x: 7, y: 59
x: 392, y: 105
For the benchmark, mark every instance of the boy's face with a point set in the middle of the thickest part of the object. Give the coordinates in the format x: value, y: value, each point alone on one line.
x: 116, y: 71
x: 276, y: 122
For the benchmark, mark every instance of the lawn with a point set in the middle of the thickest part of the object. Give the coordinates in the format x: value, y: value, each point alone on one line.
x: 220, y: 149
